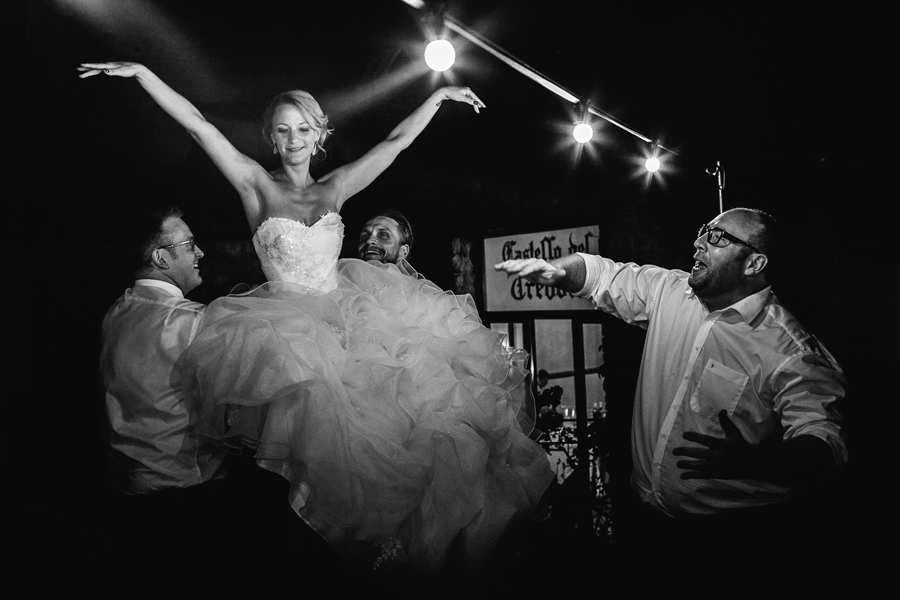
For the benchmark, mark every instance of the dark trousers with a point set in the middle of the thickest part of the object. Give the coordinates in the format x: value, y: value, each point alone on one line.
x: 800, y: 538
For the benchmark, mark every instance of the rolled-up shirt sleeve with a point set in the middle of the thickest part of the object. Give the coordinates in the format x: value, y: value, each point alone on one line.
x: 808, y: 387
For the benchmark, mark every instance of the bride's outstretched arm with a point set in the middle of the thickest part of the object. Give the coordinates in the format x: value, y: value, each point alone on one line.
x: 353, y: 177
x: 240, y: 170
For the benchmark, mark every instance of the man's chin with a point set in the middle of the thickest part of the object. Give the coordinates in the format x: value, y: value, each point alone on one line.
x: 695, y: 283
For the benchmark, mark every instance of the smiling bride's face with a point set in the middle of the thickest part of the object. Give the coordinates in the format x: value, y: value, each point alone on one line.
x: 293, y: 136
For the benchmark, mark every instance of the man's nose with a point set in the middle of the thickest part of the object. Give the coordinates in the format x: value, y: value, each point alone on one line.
x: 197, y: 251
x: 700, y: 242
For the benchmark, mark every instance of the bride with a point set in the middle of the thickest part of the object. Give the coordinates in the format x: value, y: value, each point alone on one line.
x: 383, y: 400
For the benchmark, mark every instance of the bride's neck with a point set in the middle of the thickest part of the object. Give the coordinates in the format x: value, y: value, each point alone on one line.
x: 297, y: 175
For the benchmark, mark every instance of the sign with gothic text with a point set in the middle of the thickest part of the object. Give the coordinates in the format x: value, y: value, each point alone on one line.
x: 505, y: 293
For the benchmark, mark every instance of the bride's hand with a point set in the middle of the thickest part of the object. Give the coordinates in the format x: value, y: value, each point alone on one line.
x: 115, y: 69
x: 463, y: 94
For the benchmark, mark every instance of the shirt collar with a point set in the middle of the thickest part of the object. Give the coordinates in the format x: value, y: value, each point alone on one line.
x: 752, y: 305
x: 748, y: 308
x: 165, y: 285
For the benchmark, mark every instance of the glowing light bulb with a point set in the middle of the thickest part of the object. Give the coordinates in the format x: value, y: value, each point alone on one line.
x: 652, y: 164
x: 583, y: 132
x: 440, y: 55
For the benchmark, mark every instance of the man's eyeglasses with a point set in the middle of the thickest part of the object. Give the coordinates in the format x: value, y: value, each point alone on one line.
x: 714, y: 236
x: 189, y: 243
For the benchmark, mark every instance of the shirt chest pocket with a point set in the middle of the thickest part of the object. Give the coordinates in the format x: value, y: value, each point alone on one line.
x: 719, y: 388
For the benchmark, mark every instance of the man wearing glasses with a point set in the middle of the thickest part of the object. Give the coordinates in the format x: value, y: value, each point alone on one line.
x: 736, y: 404
x: 155, y: 465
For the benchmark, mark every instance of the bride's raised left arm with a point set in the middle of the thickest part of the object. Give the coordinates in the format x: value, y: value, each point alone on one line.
x: 355, y: 176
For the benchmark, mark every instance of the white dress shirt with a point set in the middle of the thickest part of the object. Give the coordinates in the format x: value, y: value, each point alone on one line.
x: 144, y: 333
x: 752, y: 359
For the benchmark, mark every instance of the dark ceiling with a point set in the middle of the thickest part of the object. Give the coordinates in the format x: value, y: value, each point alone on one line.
x: 758, y: 90
x: 751, y: 88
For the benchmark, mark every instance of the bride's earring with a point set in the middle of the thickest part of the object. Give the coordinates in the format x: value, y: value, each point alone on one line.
x: 274, y: 149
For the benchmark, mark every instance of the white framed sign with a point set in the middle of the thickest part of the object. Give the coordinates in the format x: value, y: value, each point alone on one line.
x: 504, y: 293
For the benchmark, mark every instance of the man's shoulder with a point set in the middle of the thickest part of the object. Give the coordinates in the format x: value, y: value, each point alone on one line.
x: 668, y: 281
x: 146, y: 293
x: 782, y: 322
x: 147, y: 298
x: 672, y: 276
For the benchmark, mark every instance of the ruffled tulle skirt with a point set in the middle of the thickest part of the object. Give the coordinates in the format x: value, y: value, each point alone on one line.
x: 400, y: 421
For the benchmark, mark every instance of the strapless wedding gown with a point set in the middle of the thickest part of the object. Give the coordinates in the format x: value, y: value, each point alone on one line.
x: 383, y: 400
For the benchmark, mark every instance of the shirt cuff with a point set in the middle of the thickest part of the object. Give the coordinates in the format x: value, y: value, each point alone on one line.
x: 591, y: 275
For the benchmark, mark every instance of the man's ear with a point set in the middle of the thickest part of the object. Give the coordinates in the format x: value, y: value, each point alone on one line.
x: 755, y: 264
x: 158, y: 260
x: 404, y: 252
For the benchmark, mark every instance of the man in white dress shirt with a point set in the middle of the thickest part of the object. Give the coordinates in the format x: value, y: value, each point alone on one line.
x: 172, y: 505
x: 165, y: 486
x: 144, y: 334
x: 736, y: 403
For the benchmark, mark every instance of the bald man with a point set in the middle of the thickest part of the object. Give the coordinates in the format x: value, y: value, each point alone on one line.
x: 736, y: 405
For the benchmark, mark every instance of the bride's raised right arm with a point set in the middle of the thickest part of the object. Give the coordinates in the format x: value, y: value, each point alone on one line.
x: 241, y: 171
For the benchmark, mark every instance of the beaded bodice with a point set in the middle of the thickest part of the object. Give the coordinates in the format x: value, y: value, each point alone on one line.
x: 292, y: 251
